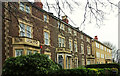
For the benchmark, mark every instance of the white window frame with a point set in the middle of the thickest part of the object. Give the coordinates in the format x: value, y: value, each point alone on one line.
x: 70, y: 45
x: 60, y: 41
x: 63, y: 42
x: 69, y: 30
x: 88, y: 50
x: 81, y: 36
x: 75, y: 33
x: 22, y: 29
x: 19, y: 51
x: 98, y: 54
x: 28, y: 31
x: 75, y: 46
x: 22, y: 6
x: 27, y: 9
x: 29, y: 52
x: 46, y: 38
x: 82, y: 48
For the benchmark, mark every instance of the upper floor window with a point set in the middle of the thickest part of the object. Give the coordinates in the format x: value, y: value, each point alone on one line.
x: 70, y: 45
x: 58, y: 24
x: 69, y: 30
x: 27, y: 9
x: 18, y: 52
x: 46, y: 38
x: 75, y: 46
x: 24, y: 7
x: 75, y: 33
x: 97, y: 45
x: 25, y: 30
x: 88, y: 50
x: 61, y: 42
x: 105, y: 48
x: 82, y: 48
x: 101, y: 47
x: 109, y: 51
x: 102, y: 55
x: 22, y: 29
x: 81, y: 36
x: 98, y: 54
x: 62, y: 26
x: 46, y: 18
x: 28, y: 31
x: 88, y: 39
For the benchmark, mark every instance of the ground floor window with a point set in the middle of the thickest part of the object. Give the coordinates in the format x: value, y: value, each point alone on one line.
x: 60, y: 60
x: 18, y: 52
x: 69, y: 63
x: 88, y: 62
x: 35, y: 51
x: 29, y: 52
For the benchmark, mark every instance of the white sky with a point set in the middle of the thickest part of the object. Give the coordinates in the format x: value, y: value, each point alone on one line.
x: 107, y: 32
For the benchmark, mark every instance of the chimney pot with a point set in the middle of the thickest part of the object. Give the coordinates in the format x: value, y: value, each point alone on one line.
x: 64, y: 18
x: 96, y: 37
x: 38, y: 3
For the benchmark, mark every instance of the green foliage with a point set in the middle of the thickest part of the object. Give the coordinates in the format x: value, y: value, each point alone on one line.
x: 110, y: 65
x: 38, y: 64
x: 29, y: 65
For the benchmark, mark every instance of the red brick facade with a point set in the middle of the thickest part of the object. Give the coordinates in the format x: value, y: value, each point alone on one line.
x: 36, y: 18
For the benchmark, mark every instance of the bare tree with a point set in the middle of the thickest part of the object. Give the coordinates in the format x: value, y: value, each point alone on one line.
x: 114, y: 50
x: 94, y: 10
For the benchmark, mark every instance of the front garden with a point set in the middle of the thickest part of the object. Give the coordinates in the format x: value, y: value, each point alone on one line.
x: 37, y: 64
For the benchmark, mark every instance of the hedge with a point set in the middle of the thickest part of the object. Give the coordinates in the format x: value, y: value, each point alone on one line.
x: 84, y: 72
x: 37, y: 64
x: 29, y: 65
x: 110, y: 65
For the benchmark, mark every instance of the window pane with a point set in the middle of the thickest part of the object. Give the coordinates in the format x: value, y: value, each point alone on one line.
x: 29, y: 52
x: 27, y: 9
x: 18, y: 52
x: 70, y: 45
x: 46, y: 38
x: 29, y: 31
x: 35, y: 51
x: 59, y: 42
x: 62, y: 42
x: 82, y: 49
x: 22, y: 6
x: 58, y: 24
x: 22, y: 29
x: 45, y: 18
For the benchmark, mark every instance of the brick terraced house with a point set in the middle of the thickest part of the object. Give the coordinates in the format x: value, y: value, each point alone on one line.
x: 28, y: 29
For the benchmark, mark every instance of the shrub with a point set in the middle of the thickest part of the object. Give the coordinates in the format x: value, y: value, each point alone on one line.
x: 30, y: 64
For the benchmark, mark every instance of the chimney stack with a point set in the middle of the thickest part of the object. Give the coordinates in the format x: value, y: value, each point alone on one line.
x: 38, y: 3
x: 96, y: 37
x: 64, y: 18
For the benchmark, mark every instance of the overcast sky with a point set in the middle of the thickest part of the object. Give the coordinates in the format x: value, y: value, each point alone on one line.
x: 107, y: 32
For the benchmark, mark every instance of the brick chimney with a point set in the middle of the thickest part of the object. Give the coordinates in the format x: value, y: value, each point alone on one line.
x: 96, y: 37
x: 38, y: 3
x: 64, y: 18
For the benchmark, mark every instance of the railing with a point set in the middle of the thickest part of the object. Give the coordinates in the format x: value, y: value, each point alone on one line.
x: 27, y: 41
